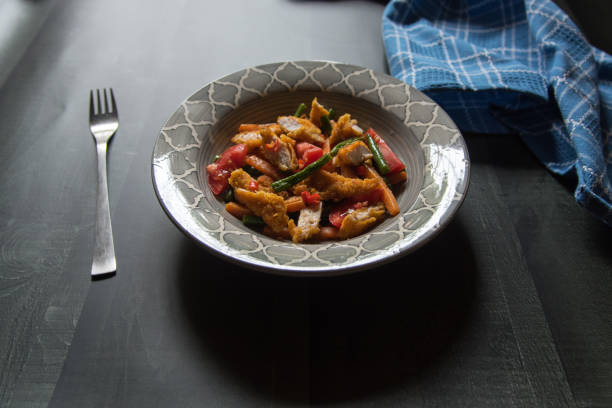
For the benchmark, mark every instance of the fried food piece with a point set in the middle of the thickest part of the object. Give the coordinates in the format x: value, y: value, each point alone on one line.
x: 316, y: 111
x: 343, y: 129
x: 269, y: 206
x: 246, y: 127
x: 352, y: 155
x: 265, y: 183
x: 240, y: 179
x: 360, y: 220
x: 300, y: 129
x: 332, y: 186
x: 308, y: 223
x: 278, y: 150
x: 252, y: 139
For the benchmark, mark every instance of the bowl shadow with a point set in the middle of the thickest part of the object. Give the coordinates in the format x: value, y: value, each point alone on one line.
x: 326, y: 340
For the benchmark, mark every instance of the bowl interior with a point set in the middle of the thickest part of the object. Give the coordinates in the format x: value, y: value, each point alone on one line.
x: 414, y: 126
x: 268, y: 108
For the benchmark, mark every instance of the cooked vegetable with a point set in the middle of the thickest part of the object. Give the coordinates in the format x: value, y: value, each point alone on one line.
x: 253, y: 221
x: 300, y: 110
x: 310, y: 198
x: 228, y: 195
x: 295, y: 178
x: 253, y: 172
x: 263, y: 166
x: 394, y: 163
x: 326, y: 125
x: 218, y: 172
x: 330, y: 172
x: 379, y: 160
x: 237, y: 210
x: 294, y: 204
x: 388, y: 197
x: 307, y: 153
x: 397, y: 178
x: 253, y: 185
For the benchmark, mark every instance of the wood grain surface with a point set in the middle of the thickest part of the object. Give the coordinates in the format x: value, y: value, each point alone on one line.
x: 509, y: 306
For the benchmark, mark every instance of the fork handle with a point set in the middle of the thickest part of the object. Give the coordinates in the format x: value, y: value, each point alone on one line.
x: 104, y: 261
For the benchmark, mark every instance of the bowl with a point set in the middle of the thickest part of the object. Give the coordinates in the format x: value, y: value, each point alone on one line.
x: 414, y: 126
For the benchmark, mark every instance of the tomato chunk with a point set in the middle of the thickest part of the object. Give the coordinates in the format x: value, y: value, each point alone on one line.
x: 394, y: 163
x: 219, y: 172
x: 301, y: 147
x: 308, y: 153
x: 311, y: 199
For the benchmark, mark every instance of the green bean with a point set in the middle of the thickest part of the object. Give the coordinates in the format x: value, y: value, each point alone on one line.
x: 326, y: 126
x: 379, y: 160
x: 253, y: 172
x: 287, y: 182
x: 332, y: 113
x: 253, y: 221
x: 300, y: 110
x: 229, y: 195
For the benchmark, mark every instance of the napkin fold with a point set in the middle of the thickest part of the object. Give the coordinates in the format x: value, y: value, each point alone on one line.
x: 513, y: 66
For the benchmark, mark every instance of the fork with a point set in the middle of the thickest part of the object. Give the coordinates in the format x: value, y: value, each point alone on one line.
x: 103, y: 123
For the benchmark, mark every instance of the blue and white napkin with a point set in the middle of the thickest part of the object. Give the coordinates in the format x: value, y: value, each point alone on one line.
x: 513, y: 66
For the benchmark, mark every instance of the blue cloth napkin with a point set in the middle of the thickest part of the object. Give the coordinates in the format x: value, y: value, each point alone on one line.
x: 513, y: 66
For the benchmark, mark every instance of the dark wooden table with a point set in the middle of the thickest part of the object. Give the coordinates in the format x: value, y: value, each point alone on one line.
x: 510, y: 306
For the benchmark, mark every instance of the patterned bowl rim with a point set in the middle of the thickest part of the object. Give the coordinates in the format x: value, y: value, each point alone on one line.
x: 162, y: 178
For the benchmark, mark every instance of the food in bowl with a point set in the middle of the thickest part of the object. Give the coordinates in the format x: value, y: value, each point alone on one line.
x: 308, y: 176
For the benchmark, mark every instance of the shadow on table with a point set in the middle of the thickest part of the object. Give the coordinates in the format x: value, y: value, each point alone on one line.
x: 321, y: 340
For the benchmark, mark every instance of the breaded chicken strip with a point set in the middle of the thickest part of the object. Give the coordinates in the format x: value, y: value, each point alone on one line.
x: 269, y: 206
x: 240, y: 179
x: 252, y: 139
x: 332, y: 186
x: 360, y: 220
x: 352, y: 155
x: 316, y: 111
x: 344, y: 128
x: 278, y: 150
x: 308, y: 223
x: 300, y: 129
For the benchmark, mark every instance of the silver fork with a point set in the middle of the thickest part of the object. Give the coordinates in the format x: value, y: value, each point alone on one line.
x: 103, y: 123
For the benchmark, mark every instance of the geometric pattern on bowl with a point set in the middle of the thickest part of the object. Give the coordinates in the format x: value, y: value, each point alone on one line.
x: 414, y: 126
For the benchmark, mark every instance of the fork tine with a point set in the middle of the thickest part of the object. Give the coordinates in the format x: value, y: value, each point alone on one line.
x: 91, y: 105
x: 113, y: 104
x: 99, y: 106
x: 105, y: 102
